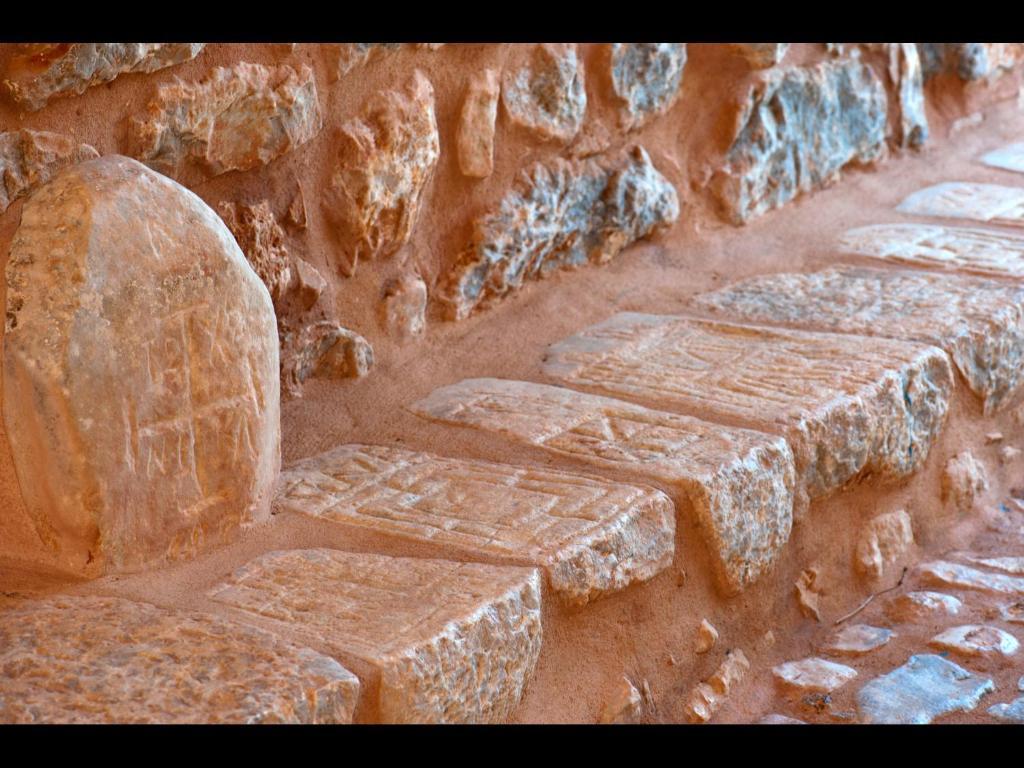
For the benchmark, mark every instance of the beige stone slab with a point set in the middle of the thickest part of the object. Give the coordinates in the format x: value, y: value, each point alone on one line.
x: 922, y: 606
x: 739, y: 482
x: 980, y: 323
x: 109, y: 660
x: 812, y: 675
x: 988, y: 203
x: 1009, y: 158
x: 590, y: 536
x: 976, y: 640
x: 438, y: 641
x: 847, y: 404
x: 946, y: 574
x: 965, y: 249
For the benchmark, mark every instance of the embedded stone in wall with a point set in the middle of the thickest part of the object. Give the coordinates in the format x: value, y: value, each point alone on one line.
x: 905, y: 73
x: 979, y: 251
x: 262, y: 241
x: 29, y: 159
x: 798, y: 128
x: 323, y: 349
x: 922, y: 606
x: 625, y: 706
x: 475, y: 139
x: 988, y: 203
x: 433, y: 641
x: 1009, y: 158
x: 762, y: 55
x: 38, y: 72
x: 560, y: 214
x: 235, y: 119
x: 109, y: 660
x: 385, y: 159
x: 348, y: 56
x: 1012, y: 565
x: 924, y: 688
x: 970, y: 61
x: 980, y: 323
x: 405, y: 306
x: 976, y: 640
x: 738, y: 482
x: 307, y: 284
x: 547, y: 95
x: 883, y: 542
x: 590, y: 537
x: 846, y: 405
x: 963, y: 480
x: 141, y: 370
x: 647, y: 78
x: 946, y: 574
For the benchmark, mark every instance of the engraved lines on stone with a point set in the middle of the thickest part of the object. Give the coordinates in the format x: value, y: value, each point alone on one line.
x: 974, y: 249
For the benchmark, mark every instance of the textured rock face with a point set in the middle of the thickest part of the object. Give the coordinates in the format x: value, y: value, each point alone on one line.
x: 385, y: 159
x: 924, y: 688
x: 547, y: 95
x: 922, y: 606
x: 813, y: 675
x: 970, y: 61
x: 590, y: 537
x: 976, y: 640
x: 1009, y: 158
x: 108, y: 660
x: 29, y: 159
x: 762, y: 55
x: 883, y: 542
x: 349, y: 56
x: 322, y: 349
x: 708, y: 697
x: 989, y: 203
x: 262, y: 241
x: 858, y: 639
x: 980, y: 251
x: 945, y: 574
x: 625, y: 706
x: 475, y: 139
x: 963, y: 480
x: 435, y: 641
x: 647, y: 78
x: 561, y: 214
x: 845, y: 404
x: 236, y: 119
x: 905, y: 72
x: 739, y: 483
x: 980, y: 323
x: 140, y: 397
x: 405, y: 306
x: 1014, y: 565
x: 40, y: 72
x: 798, y: 128
x: 1011, y: 713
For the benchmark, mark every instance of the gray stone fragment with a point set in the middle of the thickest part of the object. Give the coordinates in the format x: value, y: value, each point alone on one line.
x: 1012, y: 712
x: 647, y: 77
x: 323, y: 349
x: 798, y: 128
x: 924, y: 688
x: 548, y: 95
x: 905, y: 71
x: 969, y: 61
x: 858, y: 639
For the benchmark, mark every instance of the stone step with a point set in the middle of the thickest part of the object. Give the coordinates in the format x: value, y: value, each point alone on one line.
x: 846, y: 404
x: 988, y: 203
x: 976, y: 251
x: 739, y: 483
x: 433, y: 641
x: 980, y: 323
x: 591, y: 537
x: 109, y: 660
x: 1009, y: 158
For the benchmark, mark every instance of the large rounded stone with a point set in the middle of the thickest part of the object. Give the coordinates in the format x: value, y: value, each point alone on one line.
x: 141, y: 391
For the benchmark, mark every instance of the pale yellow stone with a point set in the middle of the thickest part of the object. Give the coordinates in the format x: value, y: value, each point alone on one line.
x: 624, y: 706
x: 708, y: 697
x: 964, y: 480
x: 883, y: 541
x: 806, y: 595
x: 707, y: 636
x: 475, y: 138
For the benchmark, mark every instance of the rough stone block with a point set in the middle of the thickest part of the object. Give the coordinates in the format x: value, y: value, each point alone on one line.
x: 739, y: 482
x: 109, y: 660
x: 141, y: 384
x: 29, y: 159
x: 547, y: 95
x: 813, y: 675
x: 964, y: 480
x: 433, y: 641
x: 761, y: 55
x: 976, y: 640
x: 646, y: 77
x: 847, y: 405
x: 946, y: 574
x: 475, y: 138
x: 858, y: 639
x: 922, y: 606
x: 988, y: 203
x: 884, y: 540
x: 323, y: 349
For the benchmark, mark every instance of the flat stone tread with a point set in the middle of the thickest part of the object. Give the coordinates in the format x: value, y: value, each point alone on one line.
x: 110, y: 660
x: 1009, y: 158
x: 976, y: 251
x: 608, y: 534
x: 943, y: 573
x: 989, y: 203
x: 453, y: 642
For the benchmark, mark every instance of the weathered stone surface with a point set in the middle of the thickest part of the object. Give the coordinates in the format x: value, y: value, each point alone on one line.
x: 29, y: 159
x: 798, y: 128
x: 981, y: 251
x: 1010, y: 157
x: 884, y: 540
x: 141, y: 385
x: 924, y: 688
x: 905, y: 72
x: 812, y: 675
x: 646, y: 77
x: 1012, y: 712
x: 307, y: 284
x: 738, y: 482
x: 296, y: 216
x: 776, y: 719
x: 976, y: 640
x: 262, y: 241
x: 432, y: 640
x: 591, y: 537
x: 942, y: 573
x: 1013, y: 613
x: 109, y: 660
x: 980, y: 323
x: 989, y: 203
x: 40, y: 72
x: 762, y: 55
x: 963, y: 480
x: 1012, y: 565
x: 236, y: 119
x: 561, y: 214
x: 922, y: 606
x: 858, y: 639
x: 547, y: 95
x: 349, y: 56
x: 707, y: 636
x: 807, y: 596
x: 385, y: 159
x: 708, y: 697
x: 405, y: 306
x: 325, y: 350
x: 475, y: 138
x: 625, y: 706
x: 970, y: 61
x: 846, y: 405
